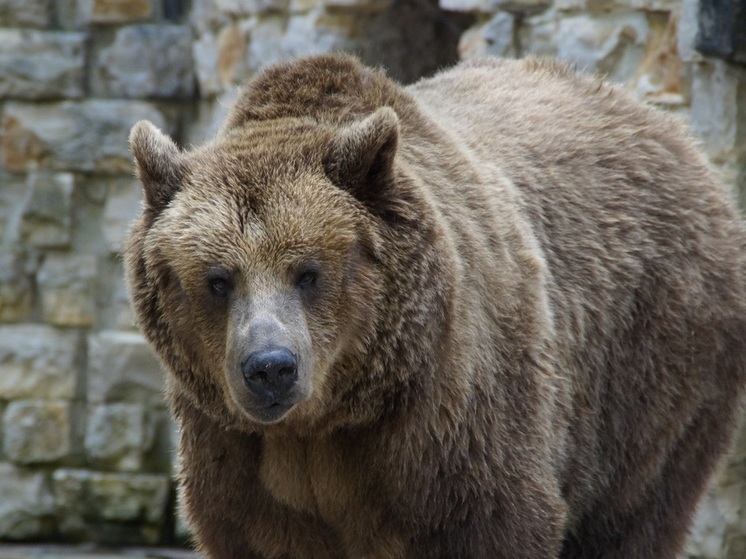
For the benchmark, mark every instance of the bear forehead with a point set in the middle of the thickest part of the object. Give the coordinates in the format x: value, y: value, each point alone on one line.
x: 235, y: 211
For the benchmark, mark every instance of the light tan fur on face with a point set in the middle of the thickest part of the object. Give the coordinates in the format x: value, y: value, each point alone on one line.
x: 526, y: 340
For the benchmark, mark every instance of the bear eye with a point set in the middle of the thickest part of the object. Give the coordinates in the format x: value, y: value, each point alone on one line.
x: 307, y: 278
x: 218, y: 283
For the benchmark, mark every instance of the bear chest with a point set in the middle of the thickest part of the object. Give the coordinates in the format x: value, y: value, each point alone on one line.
x: 309, y: 476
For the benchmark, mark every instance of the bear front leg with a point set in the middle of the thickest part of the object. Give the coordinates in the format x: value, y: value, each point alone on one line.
x: 232, y: 514
x: 515, y: 525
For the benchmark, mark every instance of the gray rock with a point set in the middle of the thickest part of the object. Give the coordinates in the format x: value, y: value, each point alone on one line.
x: 110, y: 506
x: 26, y: 505
x: 123, y: 368
x: 715, y: 123
x: 610, y: 44
x: 15, y: 287
x: 41, y: 64
x: 67, y: 283
x: 47, y: 215
x: 243, y: 8
x: 36, y: 432
x: 114, y: 11
x: 13, y: 196
x: 127, y: 497
x: 128, y: 68
x: 318, y: 32
x: 116, y: 436
x: 483, y: 6
x: 122, y: 206
x: 38, y: 362
x: 89, y: 136
x: 493, y: 37
x: 26, y: 13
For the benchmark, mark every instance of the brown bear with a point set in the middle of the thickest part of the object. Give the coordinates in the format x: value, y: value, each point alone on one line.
x: 500, y: 313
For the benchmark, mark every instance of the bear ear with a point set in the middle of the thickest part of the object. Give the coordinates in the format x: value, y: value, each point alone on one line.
x: 361, y: 156
x: 159, y: 164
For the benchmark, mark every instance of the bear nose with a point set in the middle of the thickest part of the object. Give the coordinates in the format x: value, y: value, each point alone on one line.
x: 270, y: 373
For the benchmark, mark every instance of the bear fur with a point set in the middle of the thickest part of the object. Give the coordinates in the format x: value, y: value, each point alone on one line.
x: 515, y: 296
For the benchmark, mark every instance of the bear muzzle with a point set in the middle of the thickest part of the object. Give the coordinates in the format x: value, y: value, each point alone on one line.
x: 270, y: 374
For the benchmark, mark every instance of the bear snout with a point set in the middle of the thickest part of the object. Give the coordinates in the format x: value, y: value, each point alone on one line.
x: 270, y: 373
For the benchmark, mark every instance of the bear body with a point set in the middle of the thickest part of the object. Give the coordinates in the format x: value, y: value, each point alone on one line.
x: 499, y: 313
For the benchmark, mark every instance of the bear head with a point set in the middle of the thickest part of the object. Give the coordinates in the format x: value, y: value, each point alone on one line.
x: 256, y: 266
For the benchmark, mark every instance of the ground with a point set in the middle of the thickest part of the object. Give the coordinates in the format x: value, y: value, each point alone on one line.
x: 91, y: 552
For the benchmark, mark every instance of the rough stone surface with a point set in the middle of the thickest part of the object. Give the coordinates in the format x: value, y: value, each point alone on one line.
x: 15, y: 287
x: 26, y: 504
x: 494, y: 37
x: 122, y: 205
x: 38, y: 362
x: 26, y: 13
x: 47, y: 215
x: 116, y: 436
x: 67, y: 285
x: 114, y: 11
x: 250, y: 7
x: 715, y: 123
x: 124, y: 506
x: 611, y: 45
x: 41, y: 64
x: 36, y: 432
x: 72, y: 136
x: 122, y: 368
x: 13, y: 196
x: 483, y: 6
x: 128, y: 69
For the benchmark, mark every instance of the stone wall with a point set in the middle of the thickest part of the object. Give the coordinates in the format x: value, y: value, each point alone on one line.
x: 85, y: 442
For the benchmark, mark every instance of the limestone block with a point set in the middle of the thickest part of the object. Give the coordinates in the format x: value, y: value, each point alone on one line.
x: 688, y: 28
x: 67, y: 283
x: 124, y: 497
x: 47, y: 215
x: 610, y: 44
x: 368, y: 6
x: 121, y: 367
x: 117, y: 313
x: 114, y: 11
x: 206, y: 17
x: 26, y: 13
x: 659, y: 76
x: 37, y: 362
x: 318, y: 32
x: 13, y: 197
x: 205, y: 56
x: 111, y: 507
x: 617, y: 5
x: 117, y: 436
x: 536, y: 34
x: 41, y: 64
x: 36, y: 432
x: 494, y: 37
x: 121, y: 207
x: 717, y: 514
x: 207, y: 116
x: 26, y: 504
x: 15, y: 287
x: 715, y: 123
x: 128, y: 68
x: 221, y: 60
x: 69, y: 494
x: 266, y: 47
x: 88, y: 136
x: 524, y: 7
x: 481, y: 6
x: 243, y: 8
